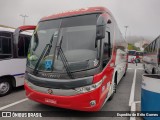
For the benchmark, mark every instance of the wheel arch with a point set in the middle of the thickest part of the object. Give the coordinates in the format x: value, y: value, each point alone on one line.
x: 114, y: 78
x: 11, y: 78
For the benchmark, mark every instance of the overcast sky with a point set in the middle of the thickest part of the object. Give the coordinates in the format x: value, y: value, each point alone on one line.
x: 142, y: 16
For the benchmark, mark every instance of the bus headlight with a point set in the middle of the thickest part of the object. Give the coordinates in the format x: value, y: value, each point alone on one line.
x: 89, y: 87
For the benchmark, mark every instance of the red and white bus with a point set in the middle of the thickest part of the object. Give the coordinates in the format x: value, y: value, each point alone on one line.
x: 139, y: 56
x: 131, y: 55
x: 75, y: 59
x: 135, y: 55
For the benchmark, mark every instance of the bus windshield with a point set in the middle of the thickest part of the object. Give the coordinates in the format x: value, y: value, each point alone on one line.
x: 76, y: 37
x: 131, y: 52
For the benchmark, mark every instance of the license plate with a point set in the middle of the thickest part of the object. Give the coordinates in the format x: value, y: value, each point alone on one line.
x: 53, y: 101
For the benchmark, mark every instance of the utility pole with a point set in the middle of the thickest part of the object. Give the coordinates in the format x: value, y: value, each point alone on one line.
x: 24, y: 18
x: 126, y: 31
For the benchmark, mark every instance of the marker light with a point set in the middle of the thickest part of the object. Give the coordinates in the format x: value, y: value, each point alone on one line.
x: 90, y: 87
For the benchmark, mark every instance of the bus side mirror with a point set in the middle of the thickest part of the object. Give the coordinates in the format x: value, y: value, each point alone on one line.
x: 100, y: 33
x: 17, y: 33
x: 101, y: 28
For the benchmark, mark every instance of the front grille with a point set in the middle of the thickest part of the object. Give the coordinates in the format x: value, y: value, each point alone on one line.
x: 59, y: 84
x: 62, y: 76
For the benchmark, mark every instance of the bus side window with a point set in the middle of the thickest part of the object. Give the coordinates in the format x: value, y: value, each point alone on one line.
x: 0, y: 45
x: 5, y: 45
x: 23, y: 45
x: 158, y: 42
x: 106, y: 49
x: 27, y: 42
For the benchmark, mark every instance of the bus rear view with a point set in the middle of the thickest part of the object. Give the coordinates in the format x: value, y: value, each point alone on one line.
x: 72, y: 61
x: 131, y: 55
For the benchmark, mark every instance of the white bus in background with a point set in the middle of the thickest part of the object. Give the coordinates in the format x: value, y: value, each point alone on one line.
x: 12, y: 59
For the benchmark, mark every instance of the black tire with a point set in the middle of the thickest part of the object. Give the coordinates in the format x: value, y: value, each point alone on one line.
x: 145, y: 69
x: 5, y: 87
x: 114, y: 88
x: 153, y: 71
x: 125, y: 72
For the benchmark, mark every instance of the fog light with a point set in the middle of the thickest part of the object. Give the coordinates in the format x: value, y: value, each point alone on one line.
x: 93, y: 103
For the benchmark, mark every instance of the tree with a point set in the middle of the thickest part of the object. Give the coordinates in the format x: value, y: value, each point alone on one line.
x: 132, y: 47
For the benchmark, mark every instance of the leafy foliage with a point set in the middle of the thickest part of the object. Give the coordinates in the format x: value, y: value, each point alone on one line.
x: 132, y: 47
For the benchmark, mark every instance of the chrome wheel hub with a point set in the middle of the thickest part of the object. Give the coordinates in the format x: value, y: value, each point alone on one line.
x: 4, y: 87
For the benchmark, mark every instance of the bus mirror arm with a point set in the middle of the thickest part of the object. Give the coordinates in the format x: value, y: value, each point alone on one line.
x: 17, y: 33
x: 98, y: 48
x: 96, y: 42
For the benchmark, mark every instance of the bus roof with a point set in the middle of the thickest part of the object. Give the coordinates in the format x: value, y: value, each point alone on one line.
x: 6, y: 29
x: 77, y: 12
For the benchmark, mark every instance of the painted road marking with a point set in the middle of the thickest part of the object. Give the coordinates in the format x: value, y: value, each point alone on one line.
x: 139, y: 68
x: 12, y: 104
x: 133, y: 88
x: 130, y: 68
x: 133, y: 108
x: 135, y: 68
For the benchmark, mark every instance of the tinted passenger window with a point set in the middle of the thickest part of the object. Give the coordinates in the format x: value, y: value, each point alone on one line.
x: 27, y: 42
x: 106, y: 49
x: 23, y: 45
x: 5, y: 34
x: 5, y: 45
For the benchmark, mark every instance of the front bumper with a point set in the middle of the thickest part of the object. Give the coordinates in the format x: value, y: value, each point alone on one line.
x: 80, y: 102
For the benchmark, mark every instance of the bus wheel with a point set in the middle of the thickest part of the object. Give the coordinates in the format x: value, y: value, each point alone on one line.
x: 125, y: 71
x: 5, y: 87
x: 114, y: 88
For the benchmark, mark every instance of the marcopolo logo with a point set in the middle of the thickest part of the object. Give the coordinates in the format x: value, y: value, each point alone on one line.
x: 50, y: 91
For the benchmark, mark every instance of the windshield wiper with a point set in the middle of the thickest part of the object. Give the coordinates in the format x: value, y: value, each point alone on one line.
x: 45, y: 52
x: 64, y: 59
